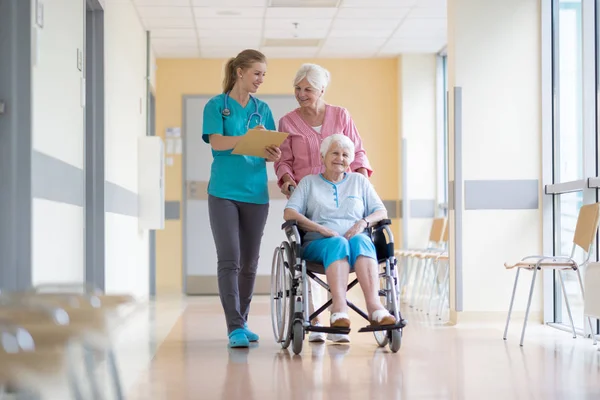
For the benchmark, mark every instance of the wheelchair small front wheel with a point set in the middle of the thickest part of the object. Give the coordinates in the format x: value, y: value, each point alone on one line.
x: 298, y: 337
x: 381, y: 337
x: 395, y: 340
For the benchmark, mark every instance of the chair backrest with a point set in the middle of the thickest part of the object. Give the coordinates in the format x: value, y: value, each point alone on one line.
x: 446, y: 232
x: 587, y: 225
x: 438, y: 226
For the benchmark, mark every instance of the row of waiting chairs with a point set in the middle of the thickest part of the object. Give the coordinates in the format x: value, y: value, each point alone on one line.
x: 53, y: 338
x: 425, y: 272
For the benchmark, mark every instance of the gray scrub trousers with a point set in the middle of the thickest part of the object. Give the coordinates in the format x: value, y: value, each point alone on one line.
x: 237, y: 229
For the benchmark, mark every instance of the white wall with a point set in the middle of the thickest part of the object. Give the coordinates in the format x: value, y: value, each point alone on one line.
x: 57, y: 124
x: 127, y: 262
x: 418, y: 124
x: 494, y: 55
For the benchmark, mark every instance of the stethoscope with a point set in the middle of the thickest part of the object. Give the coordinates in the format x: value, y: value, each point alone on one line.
x: 226, y: 112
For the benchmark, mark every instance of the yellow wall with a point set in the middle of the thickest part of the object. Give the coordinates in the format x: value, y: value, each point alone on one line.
x: 368, y: 88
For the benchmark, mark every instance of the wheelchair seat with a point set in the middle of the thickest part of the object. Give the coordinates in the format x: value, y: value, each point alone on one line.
x: 384, y: 247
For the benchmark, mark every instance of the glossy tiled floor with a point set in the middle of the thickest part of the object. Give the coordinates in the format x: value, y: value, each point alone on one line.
x: 470, y: 362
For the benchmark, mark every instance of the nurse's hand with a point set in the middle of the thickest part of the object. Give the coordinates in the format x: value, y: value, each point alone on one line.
x: 327, y: 232
x: 259, y: 127
x: 272, y: 153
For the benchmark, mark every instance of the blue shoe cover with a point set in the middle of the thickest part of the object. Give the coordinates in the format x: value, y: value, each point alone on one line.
x: 253, y: 337
x: 238, y: 338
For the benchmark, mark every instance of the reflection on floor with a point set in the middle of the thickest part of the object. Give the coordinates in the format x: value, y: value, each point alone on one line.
x: 470, y: 361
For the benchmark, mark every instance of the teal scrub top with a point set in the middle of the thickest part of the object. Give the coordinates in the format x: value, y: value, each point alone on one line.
x: 232, y: 176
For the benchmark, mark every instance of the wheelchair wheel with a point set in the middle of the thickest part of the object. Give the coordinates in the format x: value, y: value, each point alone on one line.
x: 281, y: 295
x: 395, y: 340
x: 297, y: 337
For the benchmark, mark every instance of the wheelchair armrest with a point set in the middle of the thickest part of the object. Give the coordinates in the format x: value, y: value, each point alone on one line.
x: 289, y: 224
x: 382, y: 223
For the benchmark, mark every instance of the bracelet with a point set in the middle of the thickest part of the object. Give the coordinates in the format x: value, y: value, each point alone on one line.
x: 364, y: 219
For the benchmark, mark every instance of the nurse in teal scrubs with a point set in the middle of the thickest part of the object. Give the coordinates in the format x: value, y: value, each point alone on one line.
x: 238, y: 197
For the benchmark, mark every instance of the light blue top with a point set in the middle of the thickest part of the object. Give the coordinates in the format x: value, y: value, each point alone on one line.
x: 336, y: 206
x: 232, y: 176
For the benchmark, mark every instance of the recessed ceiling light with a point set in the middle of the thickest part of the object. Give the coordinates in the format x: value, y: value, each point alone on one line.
x: 228, y: 13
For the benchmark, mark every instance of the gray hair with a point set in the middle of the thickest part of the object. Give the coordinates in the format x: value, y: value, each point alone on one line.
x: 317, y: 76
x: 344, y: 142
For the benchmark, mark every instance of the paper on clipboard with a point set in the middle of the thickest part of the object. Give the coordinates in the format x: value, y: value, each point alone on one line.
x: 253, y: 143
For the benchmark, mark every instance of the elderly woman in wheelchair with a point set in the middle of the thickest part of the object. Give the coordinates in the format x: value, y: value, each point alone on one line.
x: 335, y: 222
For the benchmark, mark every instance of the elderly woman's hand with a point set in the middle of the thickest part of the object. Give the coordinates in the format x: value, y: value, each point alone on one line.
x: 357, y: 228
x: 326, y: 232
x: 272, y: 153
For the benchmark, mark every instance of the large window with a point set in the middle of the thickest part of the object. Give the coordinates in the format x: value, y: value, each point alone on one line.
x: 573, y: 130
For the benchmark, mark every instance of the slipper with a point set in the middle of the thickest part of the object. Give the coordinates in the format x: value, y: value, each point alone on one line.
x: 252, y: 337
x: 238, y: 338
x: 382, y: 317
x: 339, y: 320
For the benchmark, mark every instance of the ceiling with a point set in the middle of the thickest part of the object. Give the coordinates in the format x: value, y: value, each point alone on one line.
x: 294, y: 28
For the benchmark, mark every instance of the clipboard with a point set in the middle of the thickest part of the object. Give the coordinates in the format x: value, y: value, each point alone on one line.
x: 253, y: 143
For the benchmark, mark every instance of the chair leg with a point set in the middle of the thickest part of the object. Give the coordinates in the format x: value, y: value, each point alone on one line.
x: 589, y: 319
x: 422, y: 286
x: 512, y: 301
x: 434, y: 285
x: 562, y: 285
x: 445, y: 290
x: 528, y: 305
x: 417, y: 274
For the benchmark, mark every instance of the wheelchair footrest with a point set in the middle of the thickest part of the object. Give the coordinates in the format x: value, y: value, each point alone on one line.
x: 376, y: 328
x: 328, y: 329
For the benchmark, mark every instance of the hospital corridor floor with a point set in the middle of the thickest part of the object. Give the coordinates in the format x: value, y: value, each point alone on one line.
x: 176, y: 349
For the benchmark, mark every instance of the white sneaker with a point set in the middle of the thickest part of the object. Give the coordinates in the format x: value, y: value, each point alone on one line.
x: 317, y: 336
x: 338, y: 338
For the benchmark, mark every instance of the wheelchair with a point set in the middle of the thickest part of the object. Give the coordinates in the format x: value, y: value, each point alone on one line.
x: 290, y: 315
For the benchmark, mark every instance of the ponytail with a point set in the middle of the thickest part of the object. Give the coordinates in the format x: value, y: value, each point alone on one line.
x: 243, y: 60
x: 230, y: 78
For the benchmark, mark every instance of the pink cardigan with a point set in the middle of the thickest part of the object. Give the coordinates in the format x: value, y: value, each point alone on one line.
x: 300, y: 152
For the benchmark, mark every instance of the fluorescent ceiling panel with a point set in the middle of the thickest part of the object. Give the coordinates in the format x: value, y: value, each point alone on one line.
x: 232, y: 13
x: 227, y: 33
x: 252, y: 24
x: 294, y: 13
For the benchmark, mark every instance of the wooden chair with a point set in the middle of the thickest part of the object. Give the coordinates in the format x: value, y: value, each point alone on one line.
x: 585, y: 232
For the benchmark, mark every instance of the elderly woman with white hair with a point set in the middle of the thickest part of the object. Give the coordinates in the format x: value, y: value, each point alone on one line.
x: 307, y: 126
x: 335, y: 208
